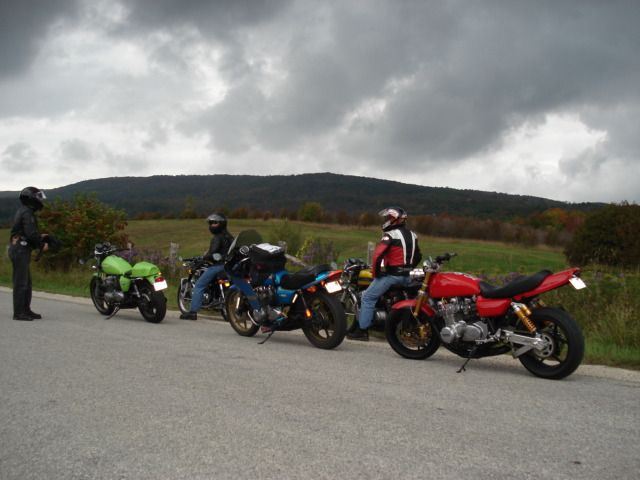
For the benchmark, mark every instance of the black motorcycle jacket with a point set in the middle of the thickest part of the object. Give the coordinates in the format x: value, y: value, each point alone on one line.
x: 25, y: 228
x: 220, y: 243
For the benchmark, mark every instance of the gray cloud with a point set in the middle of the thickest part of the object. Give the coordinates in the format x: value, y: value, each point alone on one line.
x: 23, y: 26
x: 386, y: 85
x: 18, y: 156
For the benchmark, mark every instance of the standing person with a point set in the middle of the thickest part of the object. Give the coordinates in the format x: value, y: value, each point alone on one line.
x: 24, y: 238
x: 399, y: 252
x: 219, y: 244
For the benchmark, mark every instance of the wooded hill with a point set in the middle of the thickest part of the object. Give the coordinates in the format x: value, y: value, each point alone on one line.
x: 171, y: 194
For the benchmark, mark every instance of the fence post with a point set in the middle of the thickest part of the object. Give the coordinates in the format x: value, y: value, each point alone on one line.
x: 370, y: 248
x: 173, y: 256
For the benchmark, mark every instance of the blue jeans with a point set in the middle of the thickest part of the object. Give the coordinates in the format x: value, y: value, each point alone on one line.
x: 198, y: 290
x: 244, y: 286
x: 373, y: 292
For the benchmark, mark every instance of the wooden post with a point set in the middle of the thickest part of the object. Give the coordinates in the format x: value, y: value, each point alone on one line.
x: 173, y: 256
x: 370, y: 248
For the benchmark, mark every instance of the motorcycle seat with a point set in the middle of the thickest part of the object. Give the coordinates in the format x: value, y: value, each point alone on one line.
x: 518, y: 286
x: 294, y: 281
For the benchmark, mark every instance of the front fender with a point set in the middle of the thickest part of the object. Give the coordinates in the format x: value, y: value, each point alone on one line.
x: 411, y: 303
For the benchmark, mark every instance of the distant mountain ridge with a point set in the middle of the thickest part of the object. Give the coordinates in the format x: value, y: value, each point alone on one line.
x: 168, y: 194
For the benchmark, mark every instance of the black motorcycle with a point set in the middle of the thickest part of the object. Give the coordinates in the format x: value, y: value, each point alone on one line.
x: 214, y: 294
x: 356, y: 276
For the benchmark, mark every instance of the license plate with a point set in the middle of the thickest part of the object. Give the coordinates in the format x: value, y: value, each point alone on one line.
x: 333, y: 287
x: 577, y: 283
x: 160, y: 285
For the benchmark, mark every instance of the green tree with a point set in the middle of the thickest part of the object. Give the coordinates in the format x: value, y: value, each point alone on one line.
x: 608, y: 236
x: 79, y: 224
x: 310, y: 212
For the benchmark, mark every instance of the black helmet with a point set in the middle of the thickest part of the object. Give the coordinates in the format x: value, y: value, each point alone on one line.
x: 217, y: 222
x: 393, y: 216
x: 32, y: 197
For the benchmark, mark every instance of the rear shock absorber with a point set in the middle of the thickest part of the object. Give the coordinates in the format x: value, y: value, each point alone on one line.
x: 523, y: 313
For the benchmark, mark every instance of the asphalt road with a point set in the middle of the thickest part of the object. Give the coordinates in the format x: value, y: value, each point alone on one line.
x: 82, y: 397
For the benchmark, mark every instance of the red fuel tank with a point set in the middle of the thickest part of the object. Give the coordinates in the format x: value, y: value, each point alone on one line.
x: 453, y: 284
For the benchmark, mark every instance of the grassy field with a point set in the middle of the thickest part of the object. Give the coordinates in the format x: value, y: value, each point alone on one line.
x: 607, y: 310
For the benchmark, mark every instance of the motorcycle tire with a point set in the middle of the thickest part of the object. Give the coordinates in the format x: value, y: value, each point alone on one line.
x: 152, y: 305
x: 184, y: 295
x: 327, y: 326
x: 351, y: 307
x: 567, y: 345
x: 97, y: 296
x: 402, y: 335
x: 237, y: 310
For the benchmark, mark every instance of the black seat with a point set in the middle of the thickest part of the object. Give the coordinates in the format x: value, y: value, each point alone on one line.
x: 294, y: 281
x: 518, y: 286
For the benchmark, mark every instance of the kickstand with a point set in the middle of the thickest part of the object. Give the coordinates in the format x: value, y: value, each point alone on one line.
x: 462, y: 368
x: 268, y: 337
x: 115, y: 310
x: 471, y: 353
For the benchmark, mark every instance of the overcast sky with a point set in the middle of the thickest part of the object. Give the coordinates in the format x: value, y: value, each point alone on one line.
x: 527, y: 97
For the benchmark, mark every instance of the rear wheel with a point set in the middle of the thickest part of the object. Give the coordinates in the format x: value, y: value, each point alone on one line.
x: 97, y: 296
x: 565, y: 345
x: 410, y: 338
x: 152, y: 304
x: 327, y: 326
x: 237, y: 307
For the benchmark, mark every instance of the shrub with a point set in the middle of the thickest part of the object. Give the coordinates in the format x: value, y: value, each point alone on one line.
x: 311, y: 212
x: 79, y: 224
x: 286, y: 232
x: 608, y: 236
x: 316, y: 251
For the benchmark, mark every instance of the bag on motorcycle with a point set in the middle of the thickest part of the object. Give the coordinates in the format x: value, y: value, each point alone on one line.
x: 267, y: 258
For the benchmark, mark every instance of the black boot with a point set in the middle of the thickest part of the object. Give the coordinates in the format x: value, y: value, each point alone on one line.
x: 34, y: 315
x: 359, y: 334
x: 23, y: 316
x: 189, y: 316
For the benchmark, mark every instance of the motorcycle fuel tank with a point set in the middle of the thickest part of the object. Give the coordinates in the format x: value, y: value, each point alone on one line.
x: 113, y: 265
x: 453, y: 284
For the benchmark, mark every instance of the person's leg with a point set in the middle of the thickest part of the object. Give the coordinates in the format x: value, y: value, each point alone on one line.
x: 258, y: 313
x: 21, y: 282
x: 197, y: 293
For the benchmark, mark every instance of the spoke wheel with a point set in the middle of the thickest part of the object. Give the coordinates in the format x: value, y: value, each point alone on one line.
x: 97, y: 296
x: 184, y: 295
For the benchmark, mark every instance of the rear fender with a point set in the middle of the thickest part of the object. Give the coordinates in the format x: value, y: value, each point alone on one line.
x: 411, y: 303
x: 552, y: 282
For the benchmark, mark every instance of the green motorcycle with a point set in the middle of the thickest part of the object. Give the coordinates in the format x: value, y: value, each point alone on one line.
x: 116, y: 284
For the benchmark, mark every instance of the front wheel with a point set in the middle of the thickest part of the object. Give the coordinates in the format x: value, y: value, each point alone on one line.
x: 152, y: 304
x: 410, y: 338
x: 184, y: 295
x: 565, y: 345
x: 327, y: 327
x: 237, y: 307
x: 97, y: 296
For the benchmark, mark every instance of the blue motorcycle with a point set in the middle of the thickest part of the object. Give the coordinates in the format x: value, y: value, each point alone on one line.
x: 264, y: 295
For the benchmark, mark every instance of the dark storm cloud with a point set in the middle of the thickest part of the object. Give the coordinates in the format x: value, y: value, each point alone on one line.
x: 23, y: 26
x: 217, y: 18
x: 471, y: 71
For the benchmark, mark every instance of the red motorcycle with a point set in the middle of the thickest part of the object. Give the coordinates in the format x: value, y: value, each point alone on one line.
x: 474, y: 319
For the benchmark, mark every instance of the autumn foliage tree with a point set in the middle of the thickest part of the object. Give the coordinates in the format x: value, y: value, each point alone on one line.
x: 79, y: 224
